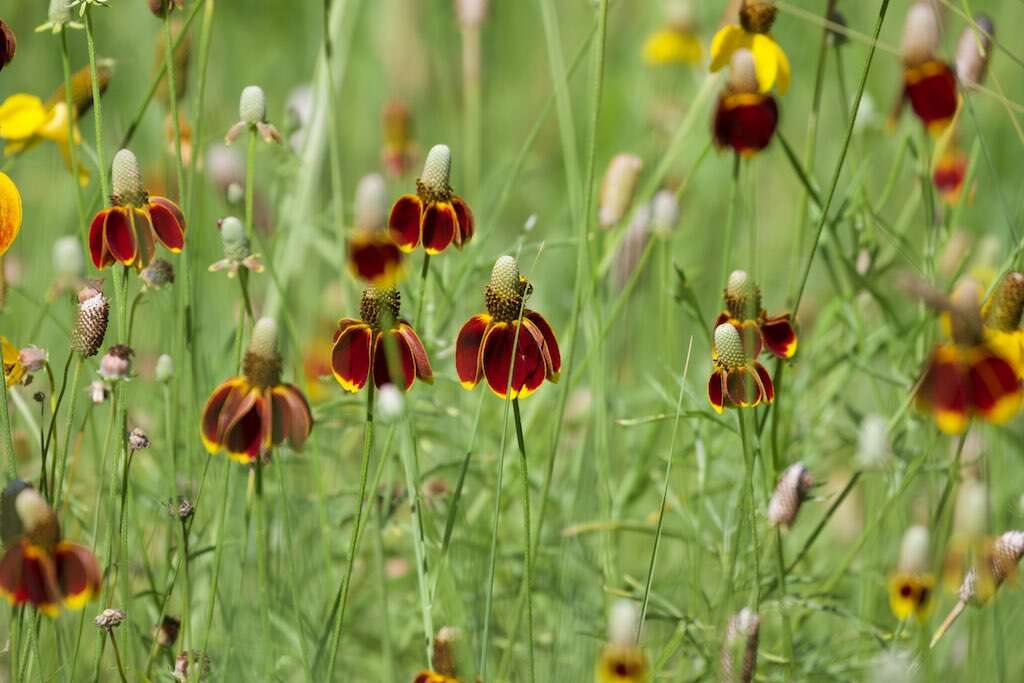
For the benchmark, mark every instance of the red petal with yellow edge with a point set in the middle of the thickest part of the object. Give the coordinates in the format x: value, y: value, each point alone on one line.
x: 722, y: 318
x: 439, y: 227
x: 995, y: 389
x: 142, y: 224
x: 419, y: 354
x: 168, y: 223
x: 742, y: 389
x: 344, y: 324
x: 374, y: 257
x: 78, y: 574
x: 779, y: 335
x: 767, y: 386
x: 36, y: 580
x: 529, y: 369
x: 750, y: 335
x: 118, y: 236
x: 245, y: 438
x: 391, y: 354
x: 550, y: 343
x: 350, y: 357
x: 716, y: 391
x: 405, y: 221
x: 745, y: 122
x: 944, y: 391
x: 466, y: 225
x: 237, y: 405
x: 468, y: 349
x: 211, y: 416
x: 101, y: 256
x: 931, y: 89
x: 292, y: 418
x: 949, y: 176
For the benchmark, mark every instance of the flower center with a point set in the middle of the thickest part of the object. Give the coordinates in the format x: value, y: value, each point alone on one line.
x: 729, y: 352
x: 758, y: 17
x: 262, y: 371
x: 506, y: 291
x: 380, y: 306
x: 1007, y: 305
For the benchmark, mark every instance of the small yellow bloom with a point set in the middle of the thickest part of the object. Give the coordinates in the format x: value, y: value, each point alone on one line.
x: 25, y: 121
x: 910, y: 594
x: 1009, y: 345
x: 753, y: 33
x: 13, y: 369
x: 672, y: 46
x: 10, y: 212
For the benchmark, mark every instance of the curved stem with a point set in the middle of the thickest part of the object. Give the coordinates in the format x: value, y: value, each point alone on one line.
x: 65, y: 59
x: 97, y: 106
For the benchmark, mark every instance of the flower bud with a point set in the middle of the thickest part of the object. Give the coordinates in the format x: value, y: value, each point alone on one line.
x: 59, y: 13
x: 758, y: 17
x: 264, y: 338
x: 126, y: 179
x: 920, y: 34
x: 371, y: 202
x: 234, y: 194
x: 794, y: 484
x: 914, y: 551
x: 158, y: 274
x: 664, y: 212
x: 738, y: 658
x: 182, y: 508
x: 873, y: 441
x: 436, y: 172
x: 164, y: 368
x: 252, y: 105
x: 138, y: 440
x: 33, y: 358
x: 198, y: 659
x: 8, y: 44
x: 68, y: 257
x: 471, y: 12
x: 1005, y: 311
x: 116, y: 365
x: 233, y: 239
x: 973, y: 52
x: 390, y: 404
x: 742, y: 72
x: 110, y: 619
x: 617, y: 189
x: 90, y: 322
x: 99, y: 391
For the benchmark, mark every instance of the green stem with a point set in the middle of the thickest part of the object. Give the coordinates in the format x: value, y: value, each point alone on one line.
x: 172, y: 96
x: 66, y: 450
x: 218, y: 553
x: 65, y: 59
x: 97, y: 106
x: 730, y: 221
x: 117, y: 657
x: 261, y: 563
x: 333, y: 129
x: 250, y: 178
x: 8, y: 434
x: 418, y: 320
x: 787, y: 629
x: 527, y: 556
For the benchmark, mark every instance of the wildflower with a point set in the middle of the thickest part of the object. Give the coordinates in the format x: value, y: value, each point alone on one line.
x: 664, y: 212
x: 38, y: 566
x: 252, y: 114
x: 737, y: 379
x: 974, y: 51
x: 8, y: 44
x: 745, y: 119
x: 743, y: 309
x: 164, y: 368
x: 364, y: 346
x: 793, y: 487
x: 399, y: 152
x: 99, y: 391
x: 434, y: 215
x: 109, y: 619
x: 249, y: 414
x: 622, y: 660
x: 10, y: 212
x: 372, y: 255
x: 137, y: 440
x: 928, y: 83
x: 116, y: 365
x: 1002, y: 320
x: 33, y: 358
x: 90, y: 322
x: 738, y: 658
x: 157, y: 274
x: 444, y: 658
x: 754, y: 34
x: 485, y: 342
x: 617, y: 189
x: 237, y: 252
x: 912, y: 585
x: 950, y: 173
x: 128, y: 230
x: 966, y: 377
x: 14, y: 371
x: 677, y: 42
x: 58, y: 18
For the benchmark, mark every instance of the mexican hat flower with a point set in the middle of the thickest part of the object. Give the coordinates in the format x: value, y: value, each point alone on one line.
x: 250, y: 414
x: 759, y: 330
x: 381, y: 343
x: 444, y: 659
x: 912, y: 584
x: 485, y: 344
x: 10, y: 212
x: 745, y: 118
x: 1002, y: 320
x: 372, y: 255
x: 38, y: 566
x: 966, y: 377
x: 621, y: 659
x: 13, y: 369
x: 949, y: 173
x: 737, y: 379
x: 753, y: 33
x: 399, y: 152
x: 8, y: 44
x: 676, y: 42
x: 434, y: 216
x: 929, y: 84
x: 128, y: 230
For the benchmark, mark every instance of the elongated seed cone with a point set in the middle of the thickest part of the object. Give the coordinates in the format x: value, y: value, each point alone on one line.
x: 1004, y: 313
x: 794, y: 484
x: 90, y: 322
x: 81, y: 86
x: 444, y: 650
x: 617, y: 189
x: 1005, y: 555
x: 371, y: 207
x: 758, y: 17
x: 742, y: 72
x: 974, y: 51
x: 738, y: 658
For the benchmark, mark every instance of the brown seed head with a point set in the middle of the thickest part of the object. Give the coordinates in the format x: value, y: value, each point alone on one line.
x: 1005, y: 555
x: 262, y: 363
x: 90, y: 322
x: 1005, y: 311
x: 444, y: 650
x: 109, y: 619
x: 126, y: 180
x: 380, y: 306
x: 758, y: 17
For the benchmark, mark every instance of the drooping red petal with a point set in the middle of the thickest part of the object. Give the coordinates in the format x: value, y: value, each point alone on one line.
x: 767, y: 386
x: 211, y: 416
x: 168, y: 223
x: 405, y: 221
x: 118, y: 235
x: 244, y: 439
x: 142, y: 226
x: 439, y: 226
x: 716, y: 391
x: 101, y: 257
x: 36, y: 580
x: 419, y: 354
x: 78, y: 574
x: 237, y: 405
x: 529, y: 369
x: 550, y: 343
x: 995, y: 389
x: 350, y: 357
x: 391, y: 355
x: 944, y: 390
x: 465, y: 223
x: 750, y: 335
x: 292, y: 417
x: 745, y: 122
x: 741, y: 388
x: 931, y: 89
x: 950, y: 173
x: 468, y: 349
x: 779, y: 336
x: 374, y: 257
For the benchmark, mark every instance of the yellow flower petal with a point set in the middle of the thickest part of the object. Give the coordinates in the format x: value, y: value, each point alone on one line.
x: 21, y: 116
x: 13, y: 369
x: 670, y: 46
x: 10, y: 214
x: 725, y: 42
x: 56, y: 126
x: 766, y: 62
x: 783, y: 77
x: 1009, y: 345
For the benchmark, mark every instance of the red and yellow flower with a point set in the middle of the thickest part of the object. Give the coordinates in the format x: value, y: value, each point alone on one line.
x: 753, y: 34
x: 381, y: 343
x: 745, y: 119
x: 10, y: 212
x: 950, y: 173
x: 1002, y: 317
x: 911, y: 586
x: 676, y: 42
x: 485, y: 345
x: 759, y: 331
x: 928, y: 82
x: 434, y: 216
x: 250, y: 414
x: 39, y: 567
x: 372, y: 255
x: 399, y: 152
x: 622, y: 664
x: 128, y: 230
x: 427, y: 676
x: 737, y: 379
x: 14, y: 371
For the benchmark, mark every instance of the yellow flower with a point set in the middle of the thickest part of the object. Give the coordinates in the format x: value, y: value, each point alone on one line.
x: 10, y: 212
x: 13, y: 369
x: 26, y: 121
x: 672, y: 46
x: 753, y: 33
x: 1009, y: 345
x: 910, y: 594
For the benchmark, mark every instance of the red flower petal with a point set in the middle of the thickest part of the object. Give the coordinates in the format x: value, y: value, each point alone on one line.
x: 292, y: 418
x: 101, y: 257
x: 745, y: 122
x: 78, y: 574
x: 466, y: 225
x: 344, y: 324
x: 27, y: 575
x: 211, y: 416
x: 419, y: 354
x: 374, y: 257
x: 119, y: 236
x: 168, y: 223
x: 944, y: 390
x: 779, y: 336
x: 468, y: 349
x: 995, y: 388
x: 550, y: 342
x: 142, y: 225
x: 716, y: 391
x: 931, y: 89
x: 391, y: 353
x: 350, y: 357
x: 529, y: 369
x: 741, y: 388
x: 439, y: 227
x: 767, y: 388
x: 405, y: 221
x: 244, y: 439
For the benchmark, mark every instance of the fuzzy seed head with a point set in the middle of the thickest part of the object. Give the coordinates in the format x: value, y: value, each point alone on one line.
x: 471, y: 12
x: 974, y: 51
x: 164, y: 368
x: 126, y: 179
x: 233, y: 239
x: 433, y: 184
x: 252, y: 105
x: 915, y: 551
x: 873, y: 441
x: 33, y: 517
x: 758, y: 17
x: 90, y: 322
x: 792, y: 490
x: 1004, y: 314
x: 623, y: 623
x: 68, y: 257
x: 390, y: 403
x: 264, y: 338
x: 742, y: 296
x: 729, y: 346
x: 742, y: 73
x: 371, y: 202
x: 262, y: 363
x: 138, y: 440
x: 617, y: 189
x: 506, y: 290
x: 444, y: 650
x: 920, y: 33
x: 59, y: 13
x: 110, y: 618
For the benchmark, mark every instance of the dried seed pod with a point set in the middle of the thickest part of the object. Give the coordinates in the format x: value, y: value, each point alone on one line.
x: 974, y: 51
x: 794, y: 484
x: 109, y: 619
x: 617, y: 189
x: 90, y: 323
x: 138, y: 440
x: 738, y: 658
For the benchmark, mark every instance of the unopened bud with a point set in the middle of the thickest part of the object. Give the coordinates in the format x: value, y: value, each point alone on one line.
x: 252, y: 105
x: 137, y: 439
x: 920, y: 34
x: 371, y: 202
x: 837, y: 28
x: 471, y: 12
x: 623, y: 623
x: 914, y: 551
x: 110, y: 618
x: 164, y: 368
x: 617, y: 189
x: 59, y: 13
x: 792, y: 490
x: 157, y: 274
x: 99, y: 391
x: 233, y: 239
x: 116, y: 365
x: 974, y: 51
x: 33, y: 358
x: 90, y: 322
x: 126, y: 178
x: 742, y: 73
